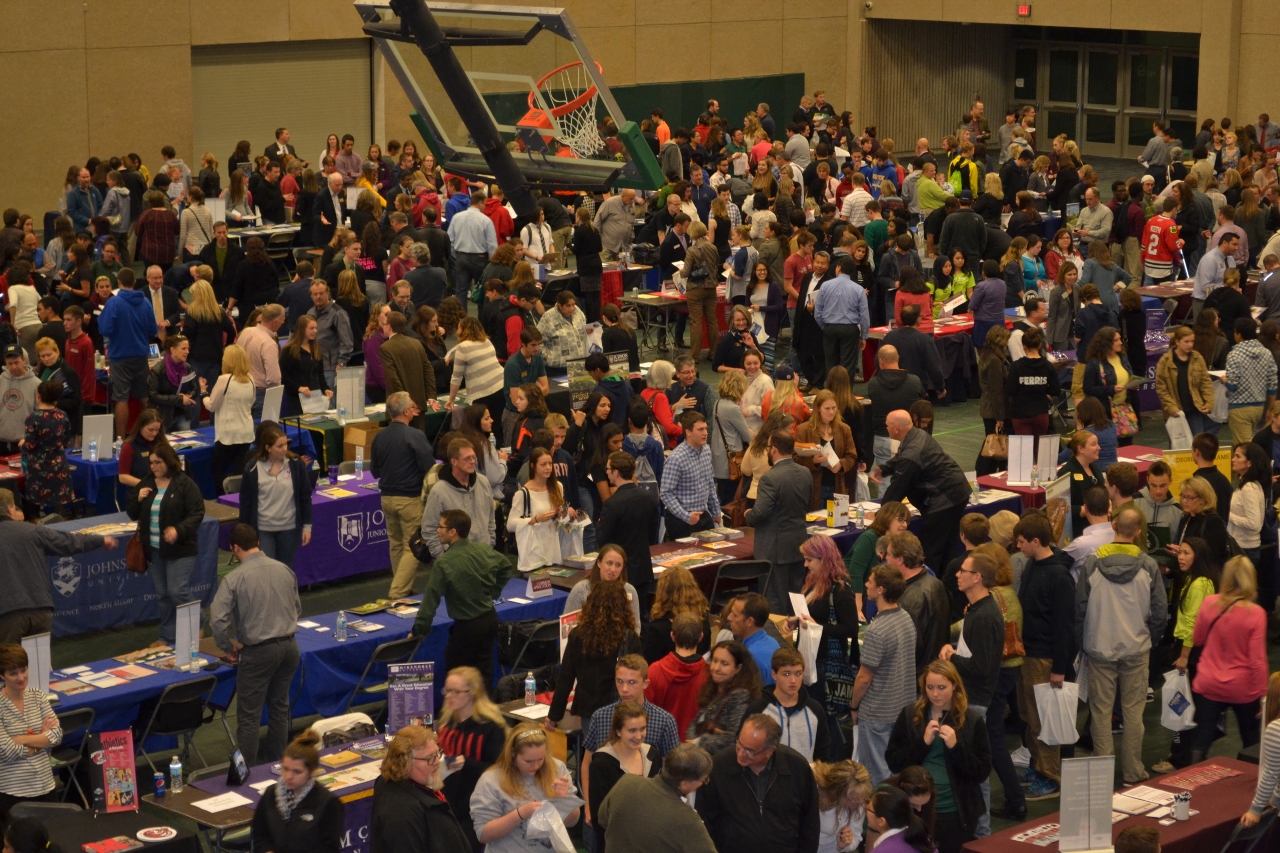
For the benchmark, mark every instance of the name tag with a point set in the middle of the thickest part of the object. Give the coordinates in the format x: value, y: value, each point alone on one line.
x: 1078, y: 476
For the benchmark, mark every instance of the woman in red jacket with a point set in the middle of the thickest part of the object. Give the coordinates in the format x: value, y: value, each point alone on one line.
x: 661, y: 375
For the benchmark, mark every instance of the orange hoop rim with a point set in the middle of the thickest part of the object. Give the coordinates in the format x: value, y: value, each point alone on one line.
x: 576, y: 103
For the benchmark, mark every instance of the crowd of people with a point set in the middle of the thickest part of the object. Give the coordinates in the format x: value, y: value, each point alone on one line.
x: 927, y: 647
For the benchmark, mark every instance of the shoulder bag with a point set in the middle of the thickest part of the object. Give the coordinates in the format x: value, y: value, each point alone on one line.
x: 1013, y: 647
x: 996, y: 445
x: 734, y: 456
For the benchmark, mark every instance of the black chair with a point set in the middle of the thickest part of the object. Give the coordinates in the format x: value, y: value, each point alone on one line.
x: 75, y: 727
x: 397, y: 651
x: 179, y: 712
x: 543, y: 632
x: 219, y: 710
x: 1249, y: 836
x: 44, y: 812
x: 740, y: 574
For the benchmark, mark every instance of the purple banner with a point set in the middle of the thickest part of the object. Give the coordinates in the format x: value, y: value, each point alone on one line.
x: 410, y: 695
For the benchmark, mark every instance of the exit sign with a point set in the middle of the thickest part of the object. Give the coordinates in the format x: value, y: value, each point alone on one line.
x: 1024, y: 10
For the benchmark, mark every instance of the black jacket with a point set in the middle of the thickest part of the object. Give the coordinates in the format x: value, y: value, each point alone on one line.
x: 182, y: 508
x: 301, y: 492
x: 605, y: 773
x: 968, y: 762
x: 1048, y: 598
x: 925, y: 599
x: 335, y: 269
x: 889, y: 391
x: 1100, y: 379
x: 301, y: 372
x: 208, y: 340
x: 256, y: 285
x: 407, y: 819
x: 785, y: 821
x: 925, y: 473
x: 630, y: 519
x: 1208, y: 526
x: 1081, y: 480
x: 1028, y: 385
x: 270, y: 200
x: 617, y: 339
x: 437, y: 240
x: 658, y: 642
x: 323, y: 207
x: 593, y: 673
x: 314, y: 826
x: 587, y: 248
x: 918, y: 355
x: 983, y: 631
x: 224, y: 280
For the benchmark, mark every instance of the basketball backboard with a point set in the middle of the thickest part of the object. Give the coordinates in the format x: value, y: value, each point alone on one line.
x: 514, y: 77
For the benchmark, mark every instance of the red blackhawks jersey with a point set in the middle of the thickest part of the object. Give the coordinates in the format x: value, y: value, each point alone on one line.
x: 1160, y: 243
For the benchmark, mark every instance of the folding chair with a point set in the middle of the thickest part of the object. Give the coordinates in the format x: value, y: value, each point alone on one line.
x: 280, y: 250
x: 44, y: 812
x: 231, y: 485
x: 238, y: 839
x: 397, y: 651
x: 75, y: 727
x: 346, y: 468
x: 738, y: 571
x: 182, y: 706
x: 544, y: 632
x: 1247, y: 835
x: 219, y: 710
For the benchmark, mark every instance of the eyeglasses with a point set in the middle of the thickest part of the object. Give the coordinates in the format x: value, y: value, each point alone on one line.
x: 966, y: 572
x: 751, y: 753
x: 430, y: 759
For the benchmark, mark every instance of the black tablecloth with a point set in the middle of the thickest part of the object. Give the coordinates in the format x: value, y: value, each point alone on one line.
x: 70, y: 830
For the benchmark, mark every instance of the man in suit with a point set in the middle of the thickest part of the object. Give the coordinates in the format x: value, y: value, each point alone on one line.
x: 630, y: 519
x: 674, y: 245
x: 223, y: 257
x: 782, y: 501
x: 164, y: 300
x: 281, y: 146
x: 348, y: 260
x: 329, y: 210
x: 406, y: 366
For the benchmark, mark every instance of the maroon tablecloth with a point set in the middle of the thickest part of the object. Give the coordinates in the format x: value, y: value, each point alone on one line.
x: 1034, y: 499
x: 1220, y: 805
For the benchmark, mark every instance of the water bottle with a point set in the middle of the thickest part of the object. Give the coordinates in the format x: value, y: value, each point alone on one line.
x: 1035, y: 477
x: 115, y: 448
x: 342, y: 416
x: 93, y: 450
x: 973, y: 488
x: 530, y: 689
x: 340, y: 632
x: 175, y: 775
x: 493, y: 441
x: 359, y: 462
x: 196, y: 663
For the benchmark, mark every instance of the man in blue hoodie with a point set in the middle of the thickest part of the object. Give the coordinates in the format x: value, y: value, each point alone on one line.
x: 617, y: 388
x: 127, y: 324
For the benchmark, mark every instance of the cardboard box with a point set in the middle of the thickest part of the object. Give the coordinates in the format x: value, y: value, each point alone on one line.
x: 359, y: 435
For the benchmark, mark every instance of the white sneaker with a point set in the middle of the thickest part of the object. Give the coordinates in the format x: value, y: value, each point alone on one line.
x: 1021, y: 757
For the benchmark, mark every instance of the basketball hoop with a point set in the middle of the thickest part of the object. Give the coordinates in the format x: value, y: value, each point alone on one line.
x: 571, y: 93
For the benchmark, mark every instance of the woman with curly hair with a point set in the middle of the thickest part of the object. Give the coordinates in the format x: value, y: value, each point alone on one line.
x: 426, y: 325
x: 449, y: 315
x: 844, y: 787
x: 610, y: 565
x: 509, y: 793
x: 733, y: 684
x: 502, y: 263
x: 677, y: 593
x: 606, y: 631
x: 376, y: 333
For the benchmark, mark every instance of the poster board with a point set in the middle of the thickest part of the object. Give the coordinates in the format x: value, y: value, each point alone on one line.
x: 350, y: 393
x: 580, y: 382
x: 1060, y: 488
x: 187, y: 636
x: 1085, y: 820
x: 1183, y: 466
x: 271, y: 403
x: 568, y: 622
x: 410, y: 695
x: 1047, y: 456
x: 39, y: 660
x: 1022, y: 451
x: 112, y: 772
x: 619, y: 365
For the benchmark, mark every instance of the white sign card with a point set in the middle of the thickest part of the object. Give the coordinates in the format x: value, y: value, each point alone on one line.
x: 838, y: 511
x: 39, y: 660
x: 1022, y: 451
x: 99, y: 428
x: 1047, y: 455
x: 313, y: 405
x: 350, y: 393
x: 187, y: 634
x: 1085, y: 820
x: 949, y: 307
x: 271, y: 403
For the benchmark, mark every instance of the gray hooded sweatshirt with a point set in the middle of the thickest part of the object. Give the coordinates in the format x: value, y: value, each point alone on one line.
x: 17, y: 400
x: 1121, y: 603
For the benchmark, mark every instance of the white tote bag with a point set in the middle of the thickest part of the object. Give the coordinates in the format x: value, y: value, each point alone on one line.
x: 1177, y: 710
x: 1057, y: 709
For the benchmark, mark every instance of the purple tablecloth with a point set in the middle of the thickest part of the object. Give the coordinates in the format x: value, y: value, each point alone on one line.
x: 348, y: 535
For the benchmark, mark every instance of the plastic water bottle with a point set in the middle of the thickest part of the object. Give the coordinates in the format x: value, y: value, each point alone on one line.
x: 342, y: 416
x: 530, y: 689
x: 340, y: 632
x: 175, y: 775
x: 493, y: 441
x: 115, y: 450
x: 93, y: 450
x: 196, y: 663
x: 359, y: 462
x: 973, y: 488
x: 1035, y: 477
x: 859, y: 518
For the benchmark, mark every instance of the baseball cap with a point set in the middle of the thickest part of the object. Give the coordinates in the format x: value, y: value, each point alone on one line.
x: 966, y: 195
x: 783, y: 373
x: 1146, y: 178
x: 14, y: 351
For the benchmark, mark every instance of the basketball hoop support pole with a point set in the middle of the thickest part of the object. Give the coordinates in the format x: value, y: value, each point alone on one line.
x: 471, y: 108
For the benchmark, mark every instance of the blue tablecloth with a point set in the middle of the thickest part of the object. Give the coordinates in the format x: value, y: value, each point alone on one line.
x: 330, y: 669
x: 348, y: 535
x: 96, y: 481
x: 95, y: 591
x: 845, y: 538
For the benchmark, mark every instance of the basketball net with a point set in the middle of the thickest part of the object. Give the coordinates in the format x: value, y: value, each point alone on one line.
x: 571, y: 93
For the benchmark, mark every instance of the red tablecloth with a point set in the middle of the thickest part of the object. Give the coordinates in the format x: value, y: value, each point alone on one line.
x: 963, y: 324
x: 1220, y: 805
x: 1033, y: 499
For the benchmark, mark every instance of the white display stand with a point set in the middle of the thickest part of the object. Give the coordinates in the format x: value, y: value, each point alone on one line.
x: 1085, y: 821
x: 39, y: 660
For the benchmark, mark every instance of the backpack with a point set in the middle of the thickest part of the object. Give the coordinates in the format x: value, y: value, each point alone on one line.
x: 645, y: 477
x: 417, y: 544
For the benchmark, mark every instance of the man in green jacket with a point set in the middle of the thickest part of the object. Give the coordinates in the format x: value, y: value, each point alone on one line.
x: 468, y: 576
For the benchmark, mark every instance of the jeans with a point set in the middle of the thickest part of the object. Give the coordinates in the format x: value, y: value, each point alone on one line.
x: 263, y: 677
x: 883, y: 454
x: 873, y: 740
x: 259, y: 396
x: 468, y: 267
x: 331, y: 379
x: 280, y: 545
x: 588, y: 501
x: 1129, y: 676
x: 1199, y: 422
x: 1006, y: 683
x: 1208, y: 712
x: 172, y: 580
x: 403, y: 515
x: 984, y: 820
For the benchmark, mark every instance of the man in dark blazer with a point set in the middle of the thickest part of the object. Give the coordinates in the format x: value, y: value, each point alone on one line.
x: 407, y: 368
x: 167, y: 297
x: 330, y: 210
x: 281, y: 146
x: 629, y: 519
x: 224, y: 273
x: 782, y: 501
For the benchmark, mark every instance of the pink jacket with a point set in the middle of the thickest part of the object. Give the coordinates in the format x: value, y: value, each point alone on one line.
x: 1233, y: 665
